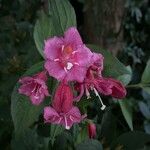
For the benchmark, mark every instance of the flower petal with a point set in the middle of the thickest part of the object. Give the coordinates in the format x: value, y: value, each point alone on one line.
x: 97, y: 60
x: 80, y: 88
x: 53, y: 47
x: 63, y: 98
x: 72, y: 37
x: 26, y: 88
x: 83, y: 56
x: 25, y: 79
x: 55, y: 70
x: 77, y: 73
x: 109, y: 86
x: 118, y: 90
x: 103, y: 86
x: 51, y: 116
x: 73, y: 116
x: 37, y: 98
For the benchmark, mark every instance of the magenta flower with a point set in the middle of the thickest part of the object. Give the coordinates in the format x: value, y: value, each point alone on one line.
x: 34, y: 87
x: 91, y: 130
x: 67, y: 58
x: 94, y: 81
x: 62, y: 111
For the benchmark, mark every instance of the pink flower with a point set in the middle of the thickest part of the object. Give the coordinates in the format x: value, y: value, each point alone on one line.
x: 94, y: 81
x: 62, y: 111
x: 67, y: 58
x: 91, y: 130
x: 34, y: 87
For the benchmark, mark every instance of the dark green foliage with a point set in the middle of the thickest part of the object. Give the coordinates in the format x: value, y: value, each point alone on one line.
x: 24, y: 25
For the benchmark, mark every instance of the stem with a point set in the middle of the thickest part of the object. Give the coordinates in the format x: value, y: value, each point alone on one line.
x: 139, y: 85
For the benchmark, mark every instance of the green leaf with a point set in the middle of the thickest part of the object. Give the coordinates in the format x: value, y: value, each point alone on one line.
x: 28, y: 140
x: 24, y: 114
x: 146, y: 89
x: 89, y: 145
x: 127, y: 112
x: 108, y: 129
x: 82, y: 135
x: 42, y: 30
x: 144, y: 108
x: 146, y: 73
x: 60, y: 17
x: 126, y: 78
x: 112, y: 66
x: 62, y: 14
x: 131, y: 140
x: 55, y: 131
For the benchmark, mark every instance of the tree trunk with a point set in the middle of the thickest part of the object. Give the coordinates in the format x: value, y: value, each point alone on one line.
x: 103, y: 23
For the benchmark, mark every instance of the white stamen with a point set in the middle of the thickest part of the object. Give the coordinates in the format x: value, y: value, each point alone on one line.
x: 96, y: 93
x: 62, y: 48
x: 65, y: 69
x: 34, y: 88
x: 66, y: 125
x: 87, y: 93
x: 59, y: 120
x: 36, y: 97
x: 71, y: 118
x: 74, y: 52
x: 76, y: 63
x: 69, y: 65
x: 57, y: 59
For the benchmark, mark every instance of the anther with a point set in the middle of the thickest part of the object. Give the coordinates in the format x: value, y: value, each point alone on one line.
x: 69, y: 65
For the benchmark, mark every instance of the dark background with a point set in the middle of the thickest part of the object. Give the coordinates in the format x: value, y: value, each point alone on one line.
x: 119, y: 26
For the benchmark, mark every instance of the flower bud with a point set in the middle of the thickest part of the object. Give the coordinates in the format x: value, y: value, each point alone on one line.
x: 92, y: 130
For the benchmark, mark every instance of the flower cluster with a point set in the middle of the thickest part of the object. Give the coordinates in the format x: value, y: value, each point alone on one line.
x: 68, y: 60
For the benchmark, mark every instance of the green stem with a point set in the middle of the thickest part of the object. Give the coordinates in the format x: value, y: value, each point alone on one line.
x: 139, y: 85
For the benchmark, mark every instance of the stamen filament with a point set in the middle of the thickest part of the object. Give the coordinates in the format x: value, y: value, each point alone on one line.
x: 66, y: 125
x: 57, y: 59
x: 65, y: 69
x: 96, y: 93
x: 87, y: 93
x: 74, y: 52
x: 62, y: 48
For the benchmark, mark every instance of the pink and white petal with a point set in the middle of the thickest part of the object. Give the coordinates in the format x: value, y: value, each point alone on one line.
x: 98, y: 59
x: 39, y: 81
x: 83, y: 56
x: 53, y: 47
x: 73, y: 37
x: 41, y: 76
x: 26, y: 79
x: 37, y: 99
x: 46, y: 92
x: 103, y: 86
x: 77, y: 73
x: 51, y: 116
x: 81, y: 90
x: 118, y: 90
x: 73, y: 116
x: 26, y: 89
x: 55, y: 70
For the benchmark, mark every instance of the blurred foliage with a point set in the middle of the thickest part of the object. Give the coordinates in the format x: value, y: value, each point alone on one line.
x: 18, y: 52
x: 136, y: 25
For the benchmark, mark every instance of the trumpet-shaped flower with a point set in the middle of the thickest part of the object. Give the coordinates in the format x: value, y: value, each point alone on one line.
x: 67, y: 58
x: 94, y: 81
x: 34, y: 87
x: 62, y: 111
